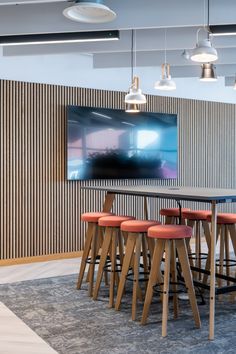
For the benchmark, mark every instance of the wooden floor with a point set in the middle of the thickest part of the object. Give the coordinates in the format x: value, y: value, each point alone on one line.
x: 15, y: 335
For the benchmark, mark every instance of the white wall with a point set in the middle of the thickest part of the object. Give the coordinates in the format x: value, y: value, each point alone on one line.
x: 77, y: 70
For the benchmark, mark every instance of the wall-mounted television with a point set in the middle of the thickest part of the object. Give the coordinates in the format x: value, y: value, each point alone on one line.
x: 110, y: 143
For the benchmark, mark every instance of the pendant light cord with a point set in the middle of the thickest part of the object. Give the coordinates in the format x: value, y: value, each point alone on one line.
x: 135, y: 53
x: 132, y: 55
x: 208, y: 18
x: 165, y: 45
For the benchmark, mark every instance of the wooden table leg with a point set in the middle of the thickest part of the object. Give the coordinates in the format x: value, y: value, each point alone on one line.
x: 212, y: 279
x: 108, y: 202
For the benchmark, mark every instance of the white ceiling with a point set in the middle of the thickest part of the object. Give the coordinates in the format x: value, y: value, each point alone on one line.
x: 148, y: 17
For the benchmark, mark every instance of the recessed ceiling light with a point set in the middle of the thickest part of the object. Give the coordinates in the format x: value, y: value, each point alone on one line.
x: 89, y: 12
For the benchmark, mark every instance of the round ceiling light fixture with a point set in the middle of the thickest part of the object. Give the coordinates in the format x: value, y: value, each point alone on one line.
x: 166, y: 83
x: 204, y: 52
x: 89, y: 12
x: 135, y: 95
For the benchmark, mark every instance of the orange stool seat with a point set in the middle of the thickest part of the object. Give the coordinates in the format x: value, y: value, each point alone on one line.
x: 94, y: 217
x: 170, y: 231
x: 196, y: 214
x: 224, y: 218
x: 114, y: 220
x: 172, y: 211
x: 138, y: 225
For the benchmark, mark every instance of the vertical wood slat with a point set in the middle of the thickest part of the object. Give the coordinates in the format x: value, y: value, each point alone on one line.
x: 40, y: 210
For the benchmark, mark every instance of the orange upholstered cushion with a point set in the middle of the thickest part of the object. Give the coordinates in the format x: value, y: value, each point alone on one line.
x: 113, y: 221
x: 170, y: 231
x: 196, y: 214
x: 93, y: 217
x: 172, y: 211
x: 224, y: 218
x: 138, y: 225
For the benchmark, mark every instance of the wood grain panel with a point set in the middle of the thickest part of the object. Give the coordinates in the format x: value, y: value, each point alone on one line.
x: 40, y: 210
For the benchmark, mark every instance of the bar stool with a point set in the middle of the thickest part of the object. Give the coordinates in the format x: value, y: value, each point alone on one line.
x: 196, y: 219
x: 169, y: 239
x: 112, y: 238
x: 172, y: 215
x: 137, y: 241
x: 225, y: 229
x: 91, y: 245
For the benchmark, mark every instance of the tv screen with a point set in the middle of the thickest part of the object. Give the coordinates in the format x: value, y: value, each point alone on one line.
x: 110, y: 143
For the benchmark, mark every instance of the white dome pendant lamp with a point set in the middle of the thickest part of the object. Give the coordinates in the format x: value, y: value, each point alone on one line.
x: 135, y: 95
x: 89, y: 11
x: 204, y: 52
x: 166, y: 83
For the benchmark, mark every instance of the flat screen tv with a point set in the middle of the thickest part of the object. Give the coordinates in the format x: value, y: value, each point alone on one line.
x: 110, y: 143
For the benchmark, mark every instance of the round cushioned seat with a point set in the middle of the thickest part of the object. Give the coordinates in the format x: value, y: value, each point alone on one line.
x: 170, y: 231
x: 138, y: 225
x: 113, y: 221
x: 94, y: 217
x: 172, y: 211
x: 196, y: 214
x: 224, y: 218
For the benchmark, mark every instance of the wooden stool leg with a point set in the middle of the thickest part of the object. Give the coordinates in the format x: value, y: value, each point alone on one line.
x: 198, y: 248
x: 207, y: 267
x: 221, y: 266
x: 145, y: 256
x: 232, y: 234
x: 125, y: 268
x: 92, y: 264
x: 136, y: 274
x: 151, y: 246
x: 113, y: 268
x: 227, y: 255
x: 154, y: 275
x: 191, y: 224
x: 99, y: 236
x: 103, y: 258
x: 88, y: 240
x: 121, y: 246
x: 166, y: 288
x: 183, y: 258
x: 189, y: 252
x: 174, y: 279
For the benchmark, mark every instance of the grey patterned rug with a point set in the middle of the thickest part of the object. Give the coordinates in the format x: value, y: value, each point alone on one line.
x: 72, y: 323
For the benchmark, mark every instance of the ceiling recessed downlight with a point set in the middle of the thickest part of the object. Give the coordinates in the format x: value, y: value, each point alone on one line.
x: 89, y: 12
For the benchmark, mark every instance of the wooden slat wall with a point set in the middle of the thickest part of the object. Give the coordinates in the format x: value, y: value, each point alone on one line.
x: 40, y: 210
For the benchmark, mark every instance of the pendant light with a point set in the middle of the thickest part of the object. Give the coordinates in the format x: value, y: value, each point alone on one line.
x: 166, y: 83
x: 208, y: 73
x: 204, y: 52
x: 135, y: 95
x: 88, y: 11
x: 132, y: 108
